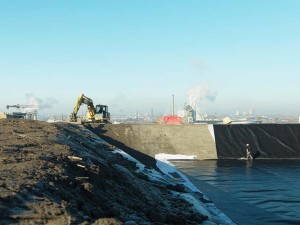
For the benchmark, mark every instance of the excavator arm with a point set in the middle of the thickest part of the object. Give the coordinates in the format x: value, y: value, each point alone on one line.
x: 83, y: 100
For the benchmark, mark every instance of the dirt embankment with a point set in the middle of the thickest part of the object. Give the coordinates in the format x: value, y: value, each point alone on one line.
x: 63, y: 174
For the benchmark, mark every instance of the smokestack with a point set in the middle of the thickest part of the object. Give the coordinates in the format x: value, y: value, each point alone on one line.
x: 173, y: 105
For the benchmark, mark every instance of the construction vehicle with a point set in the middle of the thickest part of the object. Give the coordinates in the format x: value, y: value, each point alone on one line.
x: 95, y: 114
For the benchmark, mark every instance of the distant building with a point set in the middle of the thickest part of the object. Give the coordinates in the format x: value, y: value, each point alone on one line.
x: 237, y: 113
x: 250, y: 112
x: 189, y: 114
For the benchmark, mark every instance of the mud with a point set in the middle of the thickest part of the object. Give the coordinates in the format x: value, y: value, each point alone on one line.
x: 63, y: 174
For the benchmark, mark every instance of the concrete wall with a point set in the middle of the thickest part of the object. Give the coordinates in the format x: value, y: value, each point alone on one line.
x: 151, y: 139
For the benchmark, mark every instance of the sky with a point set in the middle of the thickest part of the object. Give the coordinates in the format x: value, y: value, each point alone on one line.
x: 133, y: 55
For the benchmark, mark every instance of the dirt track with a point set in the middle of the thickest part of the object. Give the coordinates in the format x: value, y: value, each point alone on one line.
x: 43, y: 183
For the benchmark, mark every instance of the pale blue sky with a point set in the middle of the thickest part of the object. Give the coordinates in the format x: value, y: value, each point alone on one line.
x: 135, y: 54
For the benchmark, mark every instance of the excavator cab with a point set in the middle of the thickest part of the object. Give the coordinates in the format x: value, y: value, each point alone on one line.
x: 101, y: 113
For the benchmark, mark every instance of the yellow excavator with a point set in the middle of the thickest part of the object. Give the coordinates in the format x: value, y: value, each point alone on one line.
x: 95, y: 114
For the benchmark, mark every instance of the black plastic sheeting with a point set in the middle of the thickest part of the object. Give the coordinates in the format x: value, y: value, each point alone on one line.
x: 269, y: 141
x: 256, y: 192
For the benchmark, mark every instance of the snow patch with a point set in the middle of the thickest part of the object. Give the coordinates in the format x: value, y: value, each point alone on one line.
x: 166, y: 157
x: 139, y: 165
x: 167, y: 168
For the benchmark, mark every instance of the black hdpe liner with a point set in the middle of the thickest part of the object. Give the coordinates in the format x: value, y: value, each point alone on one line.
x: 267, y: 141
x: 258, y: 192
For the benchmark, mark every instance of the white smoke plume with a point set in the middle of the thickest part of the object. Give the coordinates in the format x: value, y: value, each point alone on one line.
x: 200, y: 92
x: 35, y: 103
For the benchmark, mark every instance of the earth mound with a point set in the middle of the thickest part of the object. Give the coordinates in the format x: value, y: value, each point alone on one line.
x: 64, y: 174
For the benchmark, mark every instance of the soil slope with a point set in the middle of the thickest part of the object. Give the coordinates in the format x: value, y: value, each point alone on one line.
x: 63, y: 174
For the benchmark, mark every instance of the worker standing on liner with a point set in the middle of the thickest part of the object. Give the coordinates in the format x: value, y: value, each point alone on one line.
x: 249, y: 156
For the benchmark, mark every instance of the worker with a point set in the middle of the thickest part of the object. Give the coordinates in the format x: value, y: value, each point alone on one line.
x: 249, y: 156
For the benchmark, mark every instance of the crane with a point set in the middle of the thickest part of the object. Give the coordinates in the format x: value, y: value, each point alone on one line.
x: 18, y: 106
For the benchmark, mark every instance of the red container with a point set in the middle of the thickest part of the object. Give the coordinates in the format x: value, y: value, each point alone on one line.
x: 172, y: 120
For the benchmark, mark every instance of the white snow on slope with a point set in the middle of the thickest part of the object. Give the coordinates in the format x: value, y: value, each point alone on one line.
x: 168, y: 169
x: 215, y: 215
x: 139, y: 165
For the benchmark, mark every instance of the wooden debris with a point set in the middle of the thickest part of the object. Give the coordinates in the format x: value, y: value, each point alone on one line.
x: 79, y: 165
x: 74, y: 158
